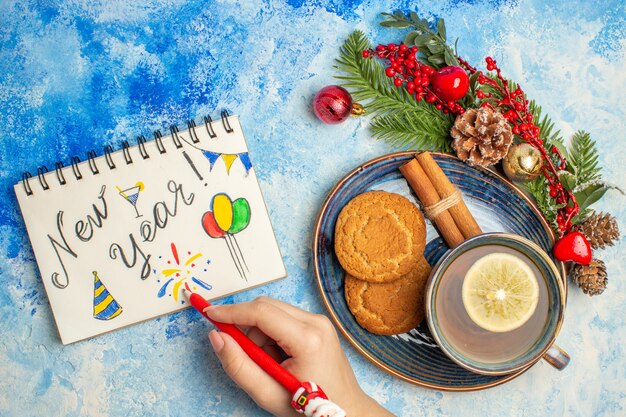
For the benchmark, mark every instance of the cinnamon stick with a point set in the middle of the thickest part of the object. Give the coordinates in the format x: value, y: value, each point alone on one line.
x: 459, y: 212
x: 423, y: 187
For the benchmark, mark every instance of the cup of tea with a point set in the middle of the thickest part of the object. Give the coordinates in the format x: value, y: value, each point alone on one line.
x: 495, y: 304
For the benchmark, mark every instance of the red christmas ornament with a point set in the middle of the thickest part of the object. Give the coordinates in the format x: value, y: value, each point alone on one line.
x: 574, y: 247
x: 450, y: 83
x: 333, y: 104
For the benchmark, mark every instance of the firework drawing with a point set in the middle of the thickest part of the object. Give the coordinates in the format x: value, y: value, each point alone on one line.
x: 183, y: 271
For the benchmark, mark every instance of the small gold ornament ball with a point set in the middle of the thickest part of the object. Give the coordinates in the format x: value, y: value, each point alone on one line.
x: 522, y: 163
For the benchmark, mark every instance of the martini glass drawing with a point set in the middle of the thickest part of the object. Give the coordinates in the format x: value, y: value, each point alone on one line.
x: 131, y: 195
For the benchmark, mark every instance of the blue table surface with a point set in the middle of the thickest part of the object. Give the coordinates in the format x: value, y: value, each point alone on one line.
x: 77, y: 75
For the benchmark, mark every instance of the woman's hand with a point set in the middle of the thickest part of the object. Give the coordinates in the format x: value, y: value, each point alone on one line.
x: 307, y: 341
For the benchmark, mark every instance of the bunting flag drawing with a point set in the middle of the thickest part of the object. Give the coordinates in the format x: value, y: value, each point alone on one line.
x: 229, y: 159
x: 104, y: 305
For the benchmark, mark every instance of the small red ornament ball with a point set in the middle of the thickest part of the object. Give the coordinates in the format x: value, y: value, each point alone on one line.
x: 574, y: 247
x: 450, y: 83
x: 332, y: 104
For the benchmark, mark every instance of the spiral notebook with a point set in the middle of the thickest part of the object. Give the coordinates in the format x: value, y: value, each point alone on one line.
x: 118, y: 236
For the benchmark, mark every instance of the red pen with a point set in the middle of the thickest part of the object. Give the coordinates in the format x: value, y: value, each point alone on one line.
x: 307, y: 397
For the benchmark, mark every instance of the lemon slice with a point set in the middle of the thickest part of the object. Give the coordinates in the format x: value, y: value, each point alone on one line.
x: 500, y: 292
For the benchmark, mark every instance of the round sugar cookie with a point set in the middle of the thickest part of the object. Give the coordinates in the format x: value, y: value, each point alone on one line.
x: 392, y: 307
x: 379, y: 236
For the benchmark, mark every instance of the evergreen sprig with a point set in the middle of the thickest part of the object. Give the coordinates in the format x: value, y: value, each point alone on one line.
x: 433, y: 44
x: 583, y: 158
x: 582, y: 176
x: 399, y: 119
x: 366, y: 79
x: 404, y: 130
x: 539, y: 187
x: 550, y: 135
x: 404, y: 122
x: 585, y: 174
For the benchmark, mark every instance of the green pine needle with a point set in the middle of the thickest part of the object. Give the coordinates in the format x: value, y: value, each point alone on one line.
x: 538, y: 188
x: 551, y: 137
x: 401, y: 120
x: 583, y: 158
x: 407, y: 130
x: 432, y: 43
x: 366, y: 78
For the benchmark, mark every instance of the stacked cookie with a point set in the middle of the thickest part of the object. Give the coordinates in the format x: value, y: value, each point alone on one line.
x: 379, y: 241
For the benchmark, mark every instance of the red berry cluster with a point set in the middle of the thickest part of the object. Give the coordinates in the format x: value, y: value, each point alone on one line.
x: 415, y: 76
x: 514, y: 107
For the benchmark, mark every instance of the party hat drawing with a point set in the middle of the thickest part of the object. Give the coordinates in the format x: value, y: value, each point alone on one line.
x: 104, y: 305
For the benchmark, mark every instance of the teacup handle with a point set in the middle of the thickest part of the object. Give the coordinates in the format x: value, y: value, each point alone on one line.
x: 556, y: 357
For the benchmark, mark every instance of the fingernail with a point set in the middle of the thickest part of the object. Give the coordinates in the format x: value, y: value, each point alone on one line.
x: 208, y: 310
x: 216, y: 341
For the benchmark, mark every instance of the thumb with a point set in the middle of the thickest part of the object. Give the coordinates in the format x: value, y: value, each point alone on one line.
x: 245, y: 372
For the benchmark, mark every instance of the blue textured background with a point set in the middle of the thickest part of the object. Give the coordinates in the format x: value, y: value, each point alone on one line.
x: 75, y: 76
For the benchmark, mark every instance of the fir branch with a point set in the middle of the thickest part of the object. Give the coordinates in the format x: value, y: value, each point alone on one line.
x: 432, y: 43
x: 582, y: 184
x: 583, y: 176
x: 538, y: 188
x: 550, y: 136
x: 409, y: 131
x: 583, y: 158
x: 366, y: 80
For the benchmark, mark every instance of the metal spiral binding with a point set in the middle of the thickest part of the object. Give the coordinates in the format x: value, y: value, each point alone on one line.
x: 91, y: 160
x: 209, y: 128
x: 59, y: 171
x: 191, y: 124
x: 158, y: 139
x: 25, y: 177
x: 225, y: 122
x: 108, y: 151
x: 141, y: 143
x: 42, y: 180
x: 126, y: 152
x: 75, y: 169
x: 175, y: 138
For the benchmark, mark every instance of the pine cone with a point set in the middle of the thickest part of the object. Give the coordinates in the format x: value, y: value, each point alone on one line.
x: 600, y: 229
x: 481, y: 136
x: 590, y: 278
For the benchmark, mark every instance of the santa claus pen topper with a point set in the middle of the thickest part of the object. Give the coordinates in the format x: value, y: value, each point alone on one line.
x: 307, y: 397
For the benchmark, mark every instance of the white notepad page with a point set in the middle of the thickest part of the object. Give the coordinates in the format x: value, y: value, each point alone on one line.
x: 116, y: 247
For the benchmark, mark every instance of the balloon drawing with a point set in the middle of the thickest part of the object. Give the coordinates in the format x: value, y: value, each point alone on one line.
x: 224, y: 220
